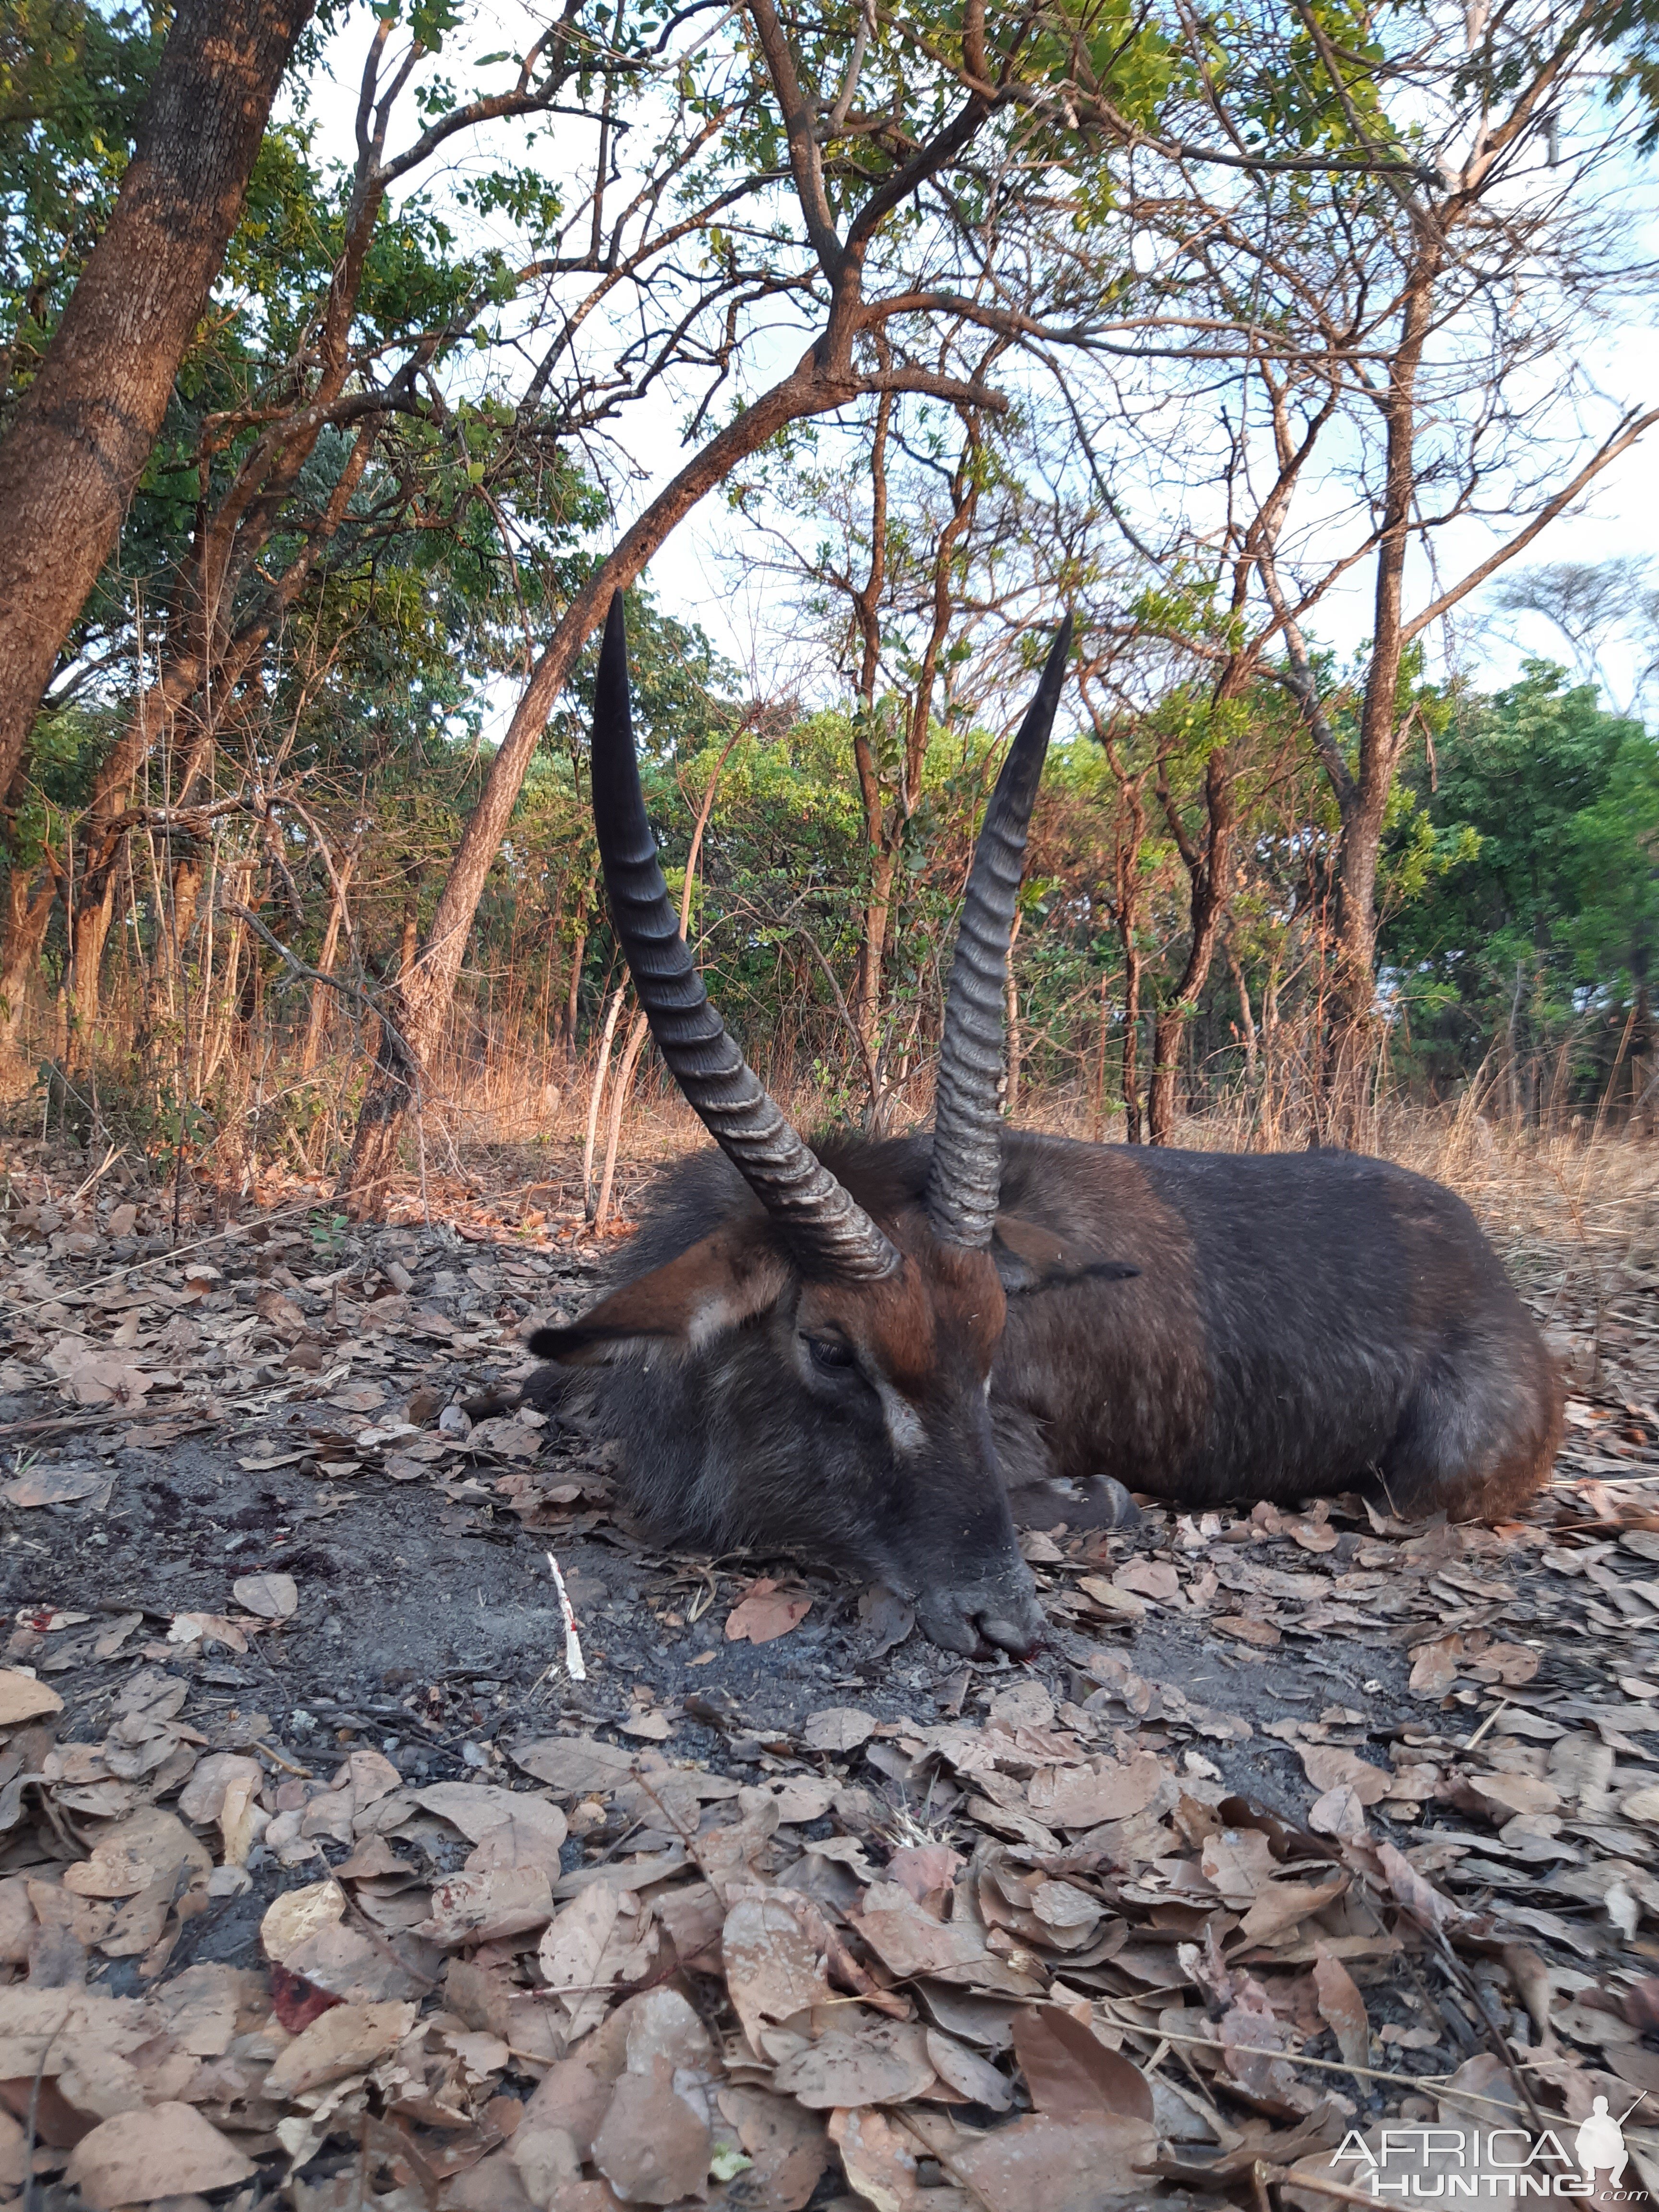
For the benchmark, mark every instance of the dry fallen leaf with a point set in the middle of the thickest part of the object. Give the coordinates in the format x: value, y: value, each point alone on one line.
x: 1059, y: 2166
x: 1152, y: 1578
x: 787, y: 2146
x: 108, y: 1382
x: 764, y: 1614
x: 1071, y: 2073
x: 298, y: 1915
x: 924, y: 1870
x: 885, y: 2063
x: 1261, y: 1634
x: 511, y: 1828
x: 1328, y: 1767
x: 202, y: 1797
x: 347, y: 2038
x: 579, y: 1767
x: 169, y: 2150
x: 1504, y: 1795
x: 1110, y: 1599
x: 206, y: 1628
x: 967, y: 2073
x: 596, y: 1943
x: 1084, y: 1796
x: 888, y: 1617
x: 273, y: 1597
x: 1425, y: 1903
x: 23, y: 1698
x: 908, y: 1940
x: 837, y: 1728
x: 1435, y: 1666
x: 648, y: 1727
x: 55, y: 1485
x: 1341, y: 2007
x: 652, y: 2144
x: 489, y: 1906
x: 1511, y: 1664
x: 772, y: 1947
x: 878, y: 2160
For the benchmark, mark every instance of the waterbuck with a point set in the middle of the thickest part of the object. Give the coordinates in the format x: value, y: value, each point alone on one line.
x: 857, y: 1350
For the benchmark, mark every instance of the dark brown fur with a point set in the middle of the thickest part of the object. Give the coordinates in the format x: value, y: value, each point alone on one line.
x: 1202, y: 1327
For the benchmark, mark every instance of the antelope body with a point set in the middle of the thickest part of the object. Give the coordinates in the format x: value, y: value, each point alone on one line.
x: 860, y: 1353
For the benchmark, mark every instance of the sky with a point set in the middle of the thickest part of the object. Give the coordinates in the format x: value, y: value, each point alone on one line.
x: 699, y: 574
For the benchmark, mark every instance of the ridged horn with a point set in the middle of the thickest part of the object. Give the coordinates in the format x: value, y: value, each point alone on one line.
x: 964, y: 1179
x: 828, y: 1232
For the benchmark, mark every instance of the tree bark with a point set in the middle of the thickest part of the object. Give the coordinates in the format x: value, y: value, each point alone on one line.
x: 89, y: 934
x: 825, y: 377
x: 1381, y: 736
x: 85, y: 426
x: 571, y: 1014
x: 28, y: 913
x: 320, y: 992
x: 1246, y: 1015
x: 1126, y: 898
x: 867, y: 608
x: 413, y: 1010
x: 1209, y: 870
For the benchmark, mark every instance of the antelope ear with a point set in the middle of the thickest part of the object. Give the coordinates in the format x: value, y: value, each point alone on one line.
x: 714, y: 1285
x: 1029, y: 1257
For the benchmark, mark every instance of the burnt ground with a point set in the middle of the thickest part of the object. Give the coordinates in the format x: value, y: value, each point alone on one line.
x: 427, y: 1623
x: 240, y: 1476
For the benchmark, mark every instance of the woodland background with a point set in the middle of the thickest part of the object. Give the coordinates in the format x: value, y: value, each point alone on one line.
x: 1182, y: 319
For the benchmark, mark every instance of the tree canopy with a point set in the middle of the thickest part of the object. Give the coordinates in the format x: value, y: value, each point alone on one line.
x: 1182, y: 320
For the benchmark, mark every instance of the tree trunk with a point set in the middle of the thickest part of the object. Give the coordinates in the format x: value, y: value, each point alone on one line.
x: 878, y: 922
x: 571, y: 1014
x: 1246, y: 1015
x: 1381, y: 737
x: 188, y: 871
x: 320, y: 992
x: 28, y: 913
x: 620, y: 1089
x: 1126, y: 890
x: 85, y: 427
x: 412, y: 1011
x: 884, y: 859
x: 1209, y: 869
x: 1168, y: 1024
x: 89, y: 934
x: 596, y: 1096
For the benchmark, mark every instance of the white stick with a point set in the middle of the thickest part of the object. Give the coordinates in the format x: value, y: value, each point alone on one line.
x: 573, y: 1643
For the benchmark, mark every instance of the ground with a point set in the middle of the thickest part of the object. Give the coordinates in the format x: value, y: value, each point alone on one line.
x: 318, y: 1863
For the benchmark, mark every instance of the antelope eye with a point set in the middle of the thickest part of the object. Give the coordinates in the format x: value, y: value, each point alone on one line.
x: 829, y: 1354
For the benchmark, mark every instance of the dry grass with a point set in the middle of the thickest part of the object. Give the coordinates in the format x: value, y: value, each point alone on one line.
x: 1573, y: 1210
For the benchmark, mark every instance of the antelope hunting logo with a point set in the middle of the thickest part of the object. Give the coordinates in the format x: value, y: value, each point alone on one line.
x: 1416, y: 2165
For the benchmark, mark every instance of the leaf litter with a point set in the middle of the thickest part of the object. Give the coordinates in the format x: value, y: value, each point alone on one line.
x: 1305, y: 1824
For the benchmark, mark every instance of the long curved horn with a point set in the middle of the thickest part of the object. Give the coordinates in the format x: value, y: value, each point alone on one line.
x: 964, y: 1181
x: 829, y: 1231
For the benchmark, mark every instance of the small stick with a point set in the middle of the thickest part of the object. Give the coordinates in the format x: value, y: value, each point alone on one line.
x: 111, y: 1155
x: 1280, y: 2175
x: 573, y: 1646
x: 258, y: 1743
x: 1502, y: 1707
x: 1436, y: 2083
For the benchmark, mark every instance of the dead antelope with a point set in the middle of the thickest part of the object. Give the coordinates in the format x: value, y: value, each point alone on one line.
x: 857, y: 1350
